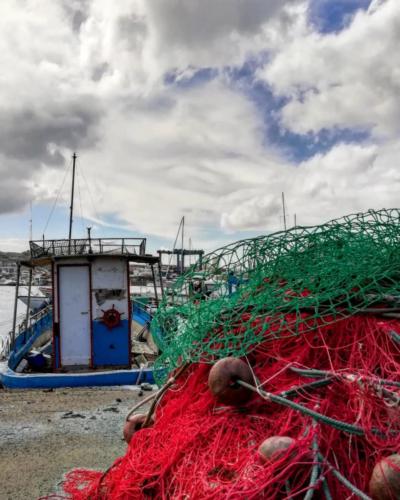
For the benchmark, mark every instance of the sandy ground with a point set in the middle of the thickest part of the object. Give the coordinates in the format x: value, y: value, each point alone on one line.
x: 44, y: 434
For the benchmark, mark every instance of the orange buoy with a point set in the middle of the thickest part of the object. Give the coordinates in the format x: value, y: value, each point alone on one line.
x: 274, y: 447
x: 385, y: 479
x: 133, y: 425
x: 222, y: 381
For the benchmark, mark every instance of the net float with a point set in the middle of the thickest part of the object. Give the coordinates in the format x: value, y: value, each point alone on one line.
x: 222, y: 381
x: 385, y: 479
x: 134, y: 424
x: 274, y: 447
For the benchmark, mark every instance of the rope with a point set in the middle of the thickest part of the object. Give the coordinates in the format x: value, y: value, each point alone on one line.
x: 315, y: 469
x: 80, y: 202
x: 56, y: 199
x: 90, y: 195
x: 161, y: 393
x: 350, y: 378
x: 337, y: 424
x: 344, y: 481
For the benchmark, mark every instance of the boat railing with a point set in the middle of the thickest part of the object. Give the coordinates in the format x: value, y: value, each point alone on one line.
x: 37, y: 323
x: 143, y: 311
x: 5, y: 346
x: 88, y: 246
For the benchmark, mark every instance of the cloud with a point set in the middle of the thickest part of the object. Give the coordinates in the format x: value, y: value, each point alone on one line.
x: 349, y: 79
x: 186, y: 158
x: 211, y: 33
x: 149, y: 93
x: 349, y: 178
x: 93, y: 80
x: 30, y: 133
x: 13, y: 245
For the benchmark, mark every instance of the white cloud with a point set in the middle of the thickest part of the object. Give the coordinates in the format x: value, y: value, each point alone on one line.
x: 349, y: 178
x: 350, y: 79
x: 89, y: 75
x: 186, y: 158
x: 13, y: 245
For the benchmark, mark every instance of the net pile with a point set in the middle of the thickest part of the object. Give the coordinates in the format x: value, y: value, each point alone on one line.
x: 330, y: 271
x: 313, y: 313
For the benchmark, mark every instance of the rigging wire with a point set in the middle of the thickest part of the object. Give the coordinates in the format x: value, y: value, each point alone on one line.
x: 80, y: 202
x: 90, y: 196
x: 174, y: 246
x: 57, y: 197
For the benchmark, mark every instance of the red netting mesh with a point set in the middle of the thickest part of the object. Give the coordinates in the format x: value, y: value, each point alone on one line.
x: 200, y: 449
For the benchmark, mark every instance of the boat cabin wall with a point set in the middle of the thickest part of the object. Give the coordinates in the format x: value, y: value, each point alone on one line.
x: 104, y: 340
x: 110, y: 286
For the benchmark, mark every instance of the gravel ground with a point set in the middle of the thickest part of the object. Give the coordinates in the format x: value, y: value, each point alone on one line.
x: 44, y: 434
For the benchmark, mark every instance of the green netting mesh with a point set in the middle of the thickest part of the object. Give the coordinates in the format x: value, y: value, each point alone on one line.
x: 279, y: 284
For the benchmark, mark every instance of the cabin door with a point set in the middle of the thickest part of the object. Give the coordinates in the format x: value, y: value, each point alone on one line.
x: 74, y: 300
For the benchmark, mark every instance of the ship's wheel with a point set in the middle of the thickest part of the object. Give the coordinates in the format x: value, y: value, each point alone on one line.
x: 111, y: 317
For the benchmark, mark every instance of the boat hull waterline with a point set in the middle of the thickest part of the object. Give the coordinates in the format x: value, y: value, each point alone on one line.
x: 12, y: 380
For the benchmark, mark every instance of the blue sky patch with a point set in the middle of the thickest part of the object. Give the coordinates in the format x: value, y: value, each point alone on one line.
x: 296, y: 147
x: 329, y: 16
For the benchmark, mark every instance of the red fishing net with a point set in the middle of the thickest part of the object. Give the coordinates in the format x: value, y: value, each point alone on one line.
x: 338, y: 389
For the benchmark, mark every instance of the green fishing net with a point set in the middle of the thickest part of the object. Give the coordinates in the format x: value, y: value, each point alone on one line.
x: 285, y: 283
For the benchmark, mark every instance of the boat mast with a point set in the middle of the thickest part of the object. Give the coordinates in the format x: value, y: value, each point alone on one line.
x: 174, y: 246
x: 182, y: 256
x: 30, y: 222
x: 71, y: 208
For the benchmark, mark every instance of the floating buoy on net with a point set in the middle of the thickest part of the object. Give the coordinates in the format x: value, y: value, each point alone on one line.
x: 134, y: 424
x: 274, y: 447
x: 385, y: 479
x: 222, y: 381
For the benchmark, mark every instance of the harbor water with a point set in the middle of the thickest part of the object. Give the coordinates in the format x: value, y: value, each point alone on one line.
x: 7, y: 295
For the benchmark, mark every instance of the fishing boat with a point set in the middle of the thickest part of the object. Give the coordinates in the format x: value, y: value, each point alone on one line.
x: 90, y: 332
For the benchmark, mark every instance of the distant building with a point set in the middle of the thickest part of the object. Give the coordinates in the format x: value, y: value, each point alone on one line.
x: 8, y: 267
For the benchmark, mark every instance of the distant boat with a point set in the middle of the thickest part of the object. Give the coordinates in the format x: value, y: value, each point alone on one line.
x: 36, y: 302
x: 7, y: 282
x: 46, y: 290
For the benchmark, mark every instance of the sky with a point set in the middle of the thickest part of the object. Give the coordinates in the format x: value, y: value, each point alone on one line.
x: 207, y: 109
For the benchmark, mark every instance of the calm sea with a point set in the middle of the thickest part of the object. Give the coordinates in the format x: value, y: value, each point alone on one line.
x: 7, y: 294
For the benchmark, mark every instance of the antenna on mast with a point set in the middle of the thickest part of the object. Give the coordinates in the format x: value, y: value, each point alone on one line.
x: 182, y: 256
x: 71, y: 208
x: 284, y: 210
x: 30, y: 221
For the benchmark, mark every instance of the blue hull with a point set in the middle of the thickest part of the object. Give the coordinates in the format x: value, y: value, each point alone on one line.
x: 13, y: 380
x: 95, y: 378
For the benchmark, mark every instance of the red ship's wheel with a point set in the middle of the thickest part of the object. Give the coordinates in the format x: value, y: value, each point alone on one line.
x: 111, y: 317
